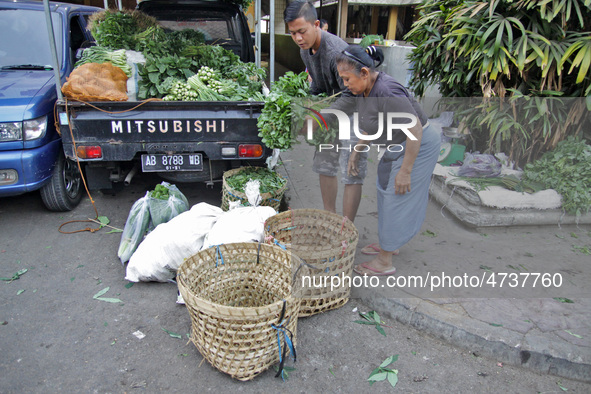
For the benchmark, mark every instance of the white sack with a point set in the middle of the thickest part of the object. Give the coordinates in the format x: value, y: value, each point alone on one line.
x: 242, y: 224
x: 163, y: 250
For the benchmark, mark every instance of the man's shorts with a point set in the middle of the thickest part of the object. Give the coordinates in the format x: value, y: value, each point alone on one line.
x: 329, y: 161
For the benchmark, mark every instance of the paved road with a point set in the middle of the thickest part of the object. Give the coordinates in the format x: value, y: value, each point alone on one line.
x: 54, y: 337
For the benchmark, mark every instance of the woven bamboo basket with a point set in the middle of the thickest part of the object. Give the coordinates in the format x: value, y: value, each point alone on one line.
x: 237, y: 295
x: 271, y: 199
x: 324, y: 240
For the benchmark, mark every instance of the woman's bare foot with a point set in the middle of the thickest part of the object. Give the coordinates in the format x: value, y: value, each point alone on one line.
x: 380, y: 265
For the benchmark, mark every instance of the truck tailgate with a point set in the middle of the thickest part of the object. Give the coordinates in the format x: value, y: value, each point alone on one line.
x: 122, y: 129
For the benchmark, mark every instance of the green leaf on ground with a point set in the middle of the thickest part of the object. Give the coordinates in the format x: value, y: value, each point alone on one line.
x: 372, y: 319
x: 486, y: 268
x: 103, y: 220
x: 574, y: 235
x: 16, y: 276
x: 429, y: 233
x: 286, y: 371
x: 172, y: 334
x: 559, y: 383
x: 115, y: 230
x: 111, y: 300
x: 495, y: 325
x: 559, y: 236
x: 582, y: 249
x: 573, y: 334
x: 80, y: 266
x: 128, y: 286
x: 98, y: 296
x: 21, y: 291
x: 100, y: 293
x: 564, y: 300
x: 382, y: 373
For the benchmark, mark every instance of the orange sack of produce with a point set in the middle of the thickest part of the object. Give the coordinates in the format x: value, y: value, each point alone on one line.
x: 96, y: 82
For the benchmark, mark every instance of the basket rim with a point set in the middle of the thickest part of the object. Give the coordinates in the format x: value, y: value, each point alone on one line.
x: 214, y: 307
x: 280, y: 215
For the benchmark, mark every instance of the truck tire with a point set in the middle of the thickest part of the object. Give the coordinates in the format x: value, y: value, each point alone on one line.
x: 64, y: 190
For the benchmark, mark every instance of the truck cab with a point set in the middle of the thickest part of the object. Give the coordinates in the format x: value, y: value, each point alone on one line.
x: 31, y: 154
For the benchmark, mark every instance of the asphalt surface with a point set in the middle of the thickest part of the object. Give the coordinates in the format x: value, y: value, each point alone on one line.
x: 56, y: 337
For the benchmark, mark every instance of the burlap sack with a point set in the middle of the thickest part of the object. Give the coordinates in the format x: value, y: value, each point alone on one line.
x: 96, y: 82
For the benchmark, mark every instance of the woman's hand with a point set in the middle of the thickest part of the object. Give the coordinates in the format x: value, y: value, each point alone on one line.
x: 352, y: 169
x: 402, y: 182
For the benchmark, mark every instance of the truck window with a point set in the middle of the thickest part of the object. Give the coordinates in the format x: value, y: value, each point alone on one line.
x: 77, y: 37
x: 24, y: 37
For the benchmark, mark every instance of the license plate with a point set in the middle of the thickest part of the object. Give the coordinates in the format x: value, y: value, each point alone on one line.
x: 180, y: 162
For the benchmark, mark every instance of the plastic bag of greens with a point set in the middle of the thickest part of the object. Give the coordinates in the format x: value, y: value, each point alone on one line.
x: 479, y: 165
x: 135, y: 228
x: 165, y: 202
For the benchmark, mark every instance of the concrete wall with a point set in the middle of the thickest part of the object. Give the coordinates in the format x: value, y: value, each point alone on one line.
x: 397, y: 65
x: 287, y: 53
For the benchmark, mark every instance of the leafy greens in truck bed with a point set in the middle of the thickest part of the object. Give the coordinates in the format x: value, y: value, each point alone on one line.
x: 103, y: 55
x: 174, y: 55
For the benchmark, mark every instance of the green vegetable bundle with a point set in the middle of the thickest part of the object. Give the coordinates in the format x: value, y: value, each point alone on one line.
x: 121, y: 29
x: 510, y: 182
x: 99, y: 54
x: 269, y: 180
x: 160, y: 192
x: 166, y: 202
x: 275, y: 122
x: 566, y: 169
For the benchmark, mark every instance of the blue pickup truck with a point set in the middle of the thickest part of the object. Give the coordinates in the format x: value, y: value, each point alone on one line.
x: 31, y: 153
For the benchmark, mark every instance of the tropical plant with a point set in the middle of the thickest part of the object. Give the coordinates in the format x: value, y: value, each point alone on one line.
x: 534, y: 52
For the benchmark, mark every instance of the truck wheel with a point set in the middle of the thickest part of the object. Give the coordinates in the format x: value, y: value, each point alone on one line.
x: 64, y: 191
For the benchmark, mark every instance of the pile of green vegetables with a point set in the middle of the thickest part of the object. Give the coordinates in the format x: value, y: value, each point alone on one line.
x: 270, y: 181
x: 160, y: 192
x: 103, y: 55
x: 174, y: 57
x: 510, y: 182
x: 208, y: 85
x: 275, y: 122
x: 285, y: 111
x: 566, y: 169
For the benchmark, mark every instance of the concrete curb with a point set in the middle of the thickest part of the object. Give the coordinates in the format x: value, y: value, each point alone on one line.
x: 481, y: 338
x: 467, y: 209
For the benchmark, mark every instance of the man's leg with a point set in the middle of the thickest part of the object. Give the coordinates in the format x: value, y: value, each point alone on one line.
x: 353, y: 184
x: 329, y: 187
x: 351, y: 199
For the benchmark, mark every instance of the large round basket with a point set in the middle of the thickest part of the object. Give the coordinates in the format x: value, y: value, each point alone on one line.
x: 242, y: 306
x: 270, y: 199
x: 326, y: 242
